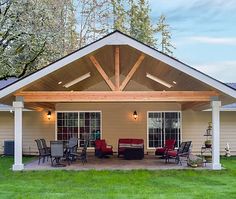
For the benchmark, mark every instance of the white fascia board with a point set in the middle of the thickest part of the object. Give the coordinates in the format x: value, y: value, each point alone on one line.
x: 112, y: 39
x: 222, y: 109
x: 176, y: 64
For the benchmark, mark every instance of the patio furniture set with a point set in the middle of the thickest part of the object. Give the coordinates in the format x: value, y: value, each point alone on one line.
x: 128, y: 148
x: 60, y: 150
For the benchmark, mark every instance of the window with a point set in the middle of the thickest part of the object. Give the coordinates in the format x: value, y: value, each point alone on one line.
x: 89, y: 125
x: 82, y: 125
x: 67, y: 125
x: 162, y: 126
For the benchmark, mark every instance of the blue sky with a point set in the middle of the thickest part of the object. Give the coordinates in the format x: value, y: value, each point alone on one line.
x: 204, y: 33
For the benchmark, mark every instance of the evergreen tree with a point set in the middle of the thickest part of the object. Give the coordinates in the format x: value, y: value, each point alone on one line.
x: 119, y: 15
x: 140, y: 22
x: 163, y: 29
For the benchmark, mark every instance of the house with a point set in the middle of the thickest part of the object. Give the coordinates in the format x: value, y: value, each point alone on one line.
x: 97, y: 90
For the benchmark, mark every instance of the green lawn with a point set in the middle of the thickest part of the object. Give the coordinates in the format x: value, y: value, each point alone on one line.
x: 118, y: 184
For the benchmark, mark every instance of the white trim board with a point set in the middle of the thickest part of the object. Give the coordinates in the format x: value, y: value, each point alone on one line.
x: 118, y: 38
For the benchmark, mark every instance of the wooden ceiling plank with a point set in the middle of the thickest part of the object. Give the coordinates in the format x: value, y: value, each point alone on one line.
x: 39, y: 106
x: 117, y: 68
x: 124, y: 96
x: 193, y: 105
x: 102, y: 72
x: 188, y: 105
x: 132, y: 71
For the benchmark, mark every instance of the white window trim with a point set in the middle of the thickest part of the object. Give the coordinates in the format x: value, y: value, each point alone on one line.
x: 163, y: 112
x: 80, y: 111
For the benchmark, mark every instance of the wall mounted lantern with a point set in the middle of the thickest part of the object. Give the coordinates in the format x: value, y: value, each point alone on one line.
x: 135, y: 115
x: 49, y: 115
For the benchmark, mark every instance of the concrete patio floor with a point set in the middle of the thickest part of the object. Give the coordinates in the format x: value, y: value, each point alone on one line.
x: 150, y: 162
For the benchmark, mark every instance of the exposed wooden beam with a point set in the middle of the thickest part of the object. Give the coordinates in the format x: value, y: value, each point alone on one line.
x: 102, y: 72
x: 118, y: 96
x: 132, y: 71
x: 117, y: 68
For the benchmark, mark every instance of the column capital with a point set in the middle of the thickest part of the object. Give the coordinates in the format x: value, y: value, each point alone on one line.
x: 18, y: 104
x: 215, y: 103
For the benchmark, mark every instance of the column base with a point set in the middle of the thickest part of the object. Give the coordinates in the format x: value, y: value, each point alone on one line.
x: 17, y: 167
x: 216, y: 166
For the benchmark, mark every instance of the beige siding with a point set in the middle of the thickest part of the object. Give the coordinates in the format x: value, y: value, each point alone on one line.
x: 194, y: 126
x: 117, y: 122
x: 6, y: 128
x: 35, y: 125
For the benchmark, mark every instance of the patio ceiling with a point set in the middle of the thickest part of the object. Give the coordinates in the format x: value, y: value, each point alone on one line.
x: 106, y: 58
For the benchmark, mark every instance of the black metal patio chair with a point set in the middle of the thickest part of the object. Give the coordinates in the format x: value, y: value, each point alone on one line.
x: 45, y: 147
x: 57, y: 153
x: 83, y: 155
x: 42, y: 152
x: 71, y: 151
x: 182, y: 151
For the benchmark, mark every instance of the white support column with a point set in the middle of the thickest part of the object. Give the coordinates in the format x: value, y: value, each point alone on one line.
x: 18, y: 165
x: 216, y: 135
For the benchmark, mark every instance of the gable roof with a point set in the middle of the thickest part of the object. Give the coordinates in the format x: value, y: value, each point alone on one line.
x: 233, y: 85
x: 5, y: 83
x: 118, y: 38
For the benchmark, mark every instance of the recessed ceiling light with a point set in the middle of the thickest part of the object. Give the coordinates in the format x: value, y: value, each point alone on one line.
x: 79, y: 79
x: 174, y: 82
x: 59, y: 82
x: 158, y: 80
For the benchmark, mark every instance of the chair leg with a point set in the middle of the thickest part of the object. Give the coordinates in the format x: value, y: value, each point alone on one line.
x: 51, y: 162
x: 177, y: 160
x: 43, y: 159
x: 167, y: 158
x: 39, y: 160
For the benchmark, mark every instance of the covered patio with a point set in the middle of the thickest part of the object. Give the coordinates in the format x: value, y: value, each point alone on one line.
x: 109, y: 80
x: 150, y: 162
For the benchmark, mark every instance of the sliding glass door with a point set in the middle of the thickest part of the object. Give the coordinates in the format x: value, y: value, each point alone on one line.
x: 82, y: 125
x: 162, y: 126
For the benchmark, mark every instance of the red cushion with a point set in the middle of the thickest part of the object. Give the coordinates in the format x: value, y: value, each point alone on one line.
x: 170, y: 144
x: 125, y: 141
x: 137, y: 141
x: 99, y: 143
x: 130, y: 141
x: 160, y: 150
x: 106, y: 150
x: 172, y: 153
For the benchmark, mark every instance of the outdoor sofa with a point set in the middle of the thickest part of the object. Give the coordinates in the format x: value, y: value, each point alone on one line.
x: 131, y: 148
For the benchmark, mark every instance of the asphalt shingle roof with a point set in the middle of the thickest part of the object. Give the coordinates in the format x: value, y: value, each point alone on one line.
x: 4, y: 83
